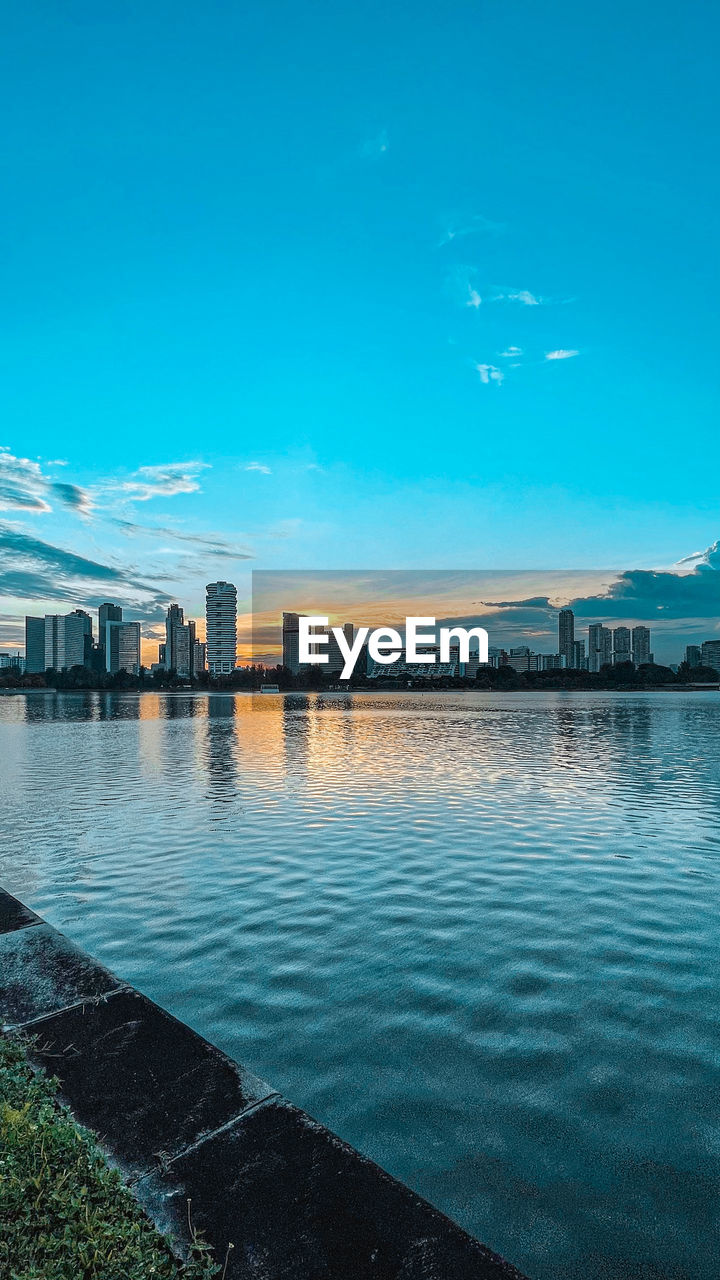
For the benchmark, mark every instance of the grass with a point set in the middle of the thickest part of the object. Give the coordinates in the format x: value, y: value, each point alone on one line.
x: 64, y: 1213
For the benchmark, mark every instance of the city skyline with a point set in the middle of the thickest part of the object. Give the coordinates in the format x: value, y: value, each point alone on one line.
x: 62, y: 641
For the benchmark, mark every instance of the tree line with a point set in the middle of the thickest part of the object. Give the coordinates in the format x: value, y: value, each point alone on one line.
x: 624, y: 675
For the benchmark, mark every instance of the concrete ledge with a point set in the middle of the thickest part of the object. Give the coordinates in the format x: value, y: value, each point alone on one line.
x: 124, y: 1056
x: 298, y: 1203
x: 182, y: 1121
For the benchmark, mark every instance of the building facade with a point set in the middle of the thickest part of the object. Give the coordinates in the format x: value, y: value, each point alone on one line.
x: 566, y: 636
x: 579, y: 661
x: 641, y: 645
x: 290, y: 642
x: 34, y: 645
x: 599, y: 646
x: 622, y: 645
x: 122, y: 647
x: 221, y: 627
x: 710, y: 654
x: 107, y: 612
x: 64, y: 641
x: 199, y: 657
x: 179, y: 647
x: 87, y: 634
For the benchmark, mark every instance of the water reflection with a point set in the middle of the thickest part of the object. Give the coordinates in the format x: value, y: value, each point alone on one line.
x: 476, y: 934
x: 220, y: 753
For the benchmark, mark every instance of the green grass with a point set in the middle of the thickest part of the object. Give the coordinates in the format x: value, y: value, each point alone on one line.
x: 64, y: 1214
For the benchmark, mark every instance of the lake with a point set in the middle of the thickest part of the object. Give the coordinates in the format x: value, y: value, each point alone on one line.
x: 475, y: 934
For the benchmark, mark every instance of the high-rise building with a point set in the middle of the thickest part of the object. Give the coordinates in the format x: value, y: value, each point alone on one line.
x: 107, y: 612
x: 579, y: 660
x: 34, y: 644
x: 64, y: 641
x: 641, y: 645
x: 710, y: 654
x: 599, y: 646
x: 87, y: 634
x: 179, y: 642
x: 291, y: 642
x: 199, y: 657
x: 693, y: 655
x: 336, y: 661
x: 122, y: 647
x: 221, y: 627
x: 622, y: 645
x: 566, y: 635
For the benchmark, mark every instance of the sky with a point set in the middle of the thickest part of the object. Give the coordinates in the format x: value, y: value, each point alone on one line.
x: 356, y: 286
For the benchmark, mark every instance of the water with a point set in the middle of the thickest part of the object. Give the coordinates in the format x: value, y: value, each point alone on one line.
x: 477, y: 934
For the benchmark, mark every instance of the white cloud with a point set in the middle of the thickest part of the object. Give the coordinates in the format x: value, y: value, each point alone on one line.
x: 473, y: 298
x: 525, y: 297
x: 259, y: 466
x: 490, y: 373
x: 162, y: 481
x: 511, y: 353
x: 25, y: 487
x: 563, y: 353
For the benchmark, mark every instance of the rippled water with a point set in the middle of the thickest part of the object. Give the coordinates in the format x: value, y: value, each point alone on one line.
x: 475, y: 934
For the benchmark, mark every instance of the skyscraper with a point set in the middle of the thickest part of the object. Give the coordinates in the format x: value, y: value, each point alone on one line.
x: 599, y: 646
x: 179, y: 642
x: 579, y: 662
x: 710, y: 654
x: 64, y: 641
x: 199, y: 657
x: 566, y: 636
x: 693, y: 655
x: 106, y: 613
x: 87, y: 634
x: 641, y: 645
x: 290, y: 642
x: 221, y: 622
x: 122, y: 647
x: 34, y: 644
x: 622, y: 645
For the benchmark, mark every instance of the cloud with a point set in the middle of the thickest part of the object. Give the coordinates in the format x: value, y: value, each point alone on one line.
x: 25, y: 487
x: 31, y: 569
x: 206, y: 544
x: 525, y: 297
x: 162, y: 481
x: 259, y: 466
x: 563, y: 353
x: 22, y: 484
x: 679, y: 606
x: 462, y: 285
x: 475, y: 224
x: 533, y: 602
x: 376, y: 146
x: 490, y: 373
x: 660, y: 594
x: 511, y: 353
x: 72, y: 496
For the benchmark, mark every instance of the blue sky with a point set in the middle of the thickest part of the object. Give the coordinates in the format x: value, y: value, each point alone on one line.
x: 281, y: 283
